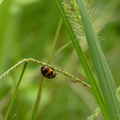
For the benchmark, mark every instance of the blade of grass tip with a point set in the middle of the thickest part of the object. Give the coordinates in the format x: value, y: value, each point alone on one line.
x: 94, y: 114
x: 15, y: 92
x: 37, y: 103
x: 84, y: 63
x: 104, y: 74
x: 62, y: 48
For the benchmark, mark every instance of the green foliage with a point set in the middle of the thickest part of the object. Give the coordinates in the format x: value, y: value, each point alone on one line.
x: 27, y: 30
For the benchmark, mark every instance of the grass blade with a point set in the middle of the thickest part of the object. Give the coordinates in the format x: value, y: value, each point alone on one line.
x: 41, y: 86
x: 84, y: 62
x: 105, y: 77
x: 15, y: 92
x: 94, y: 114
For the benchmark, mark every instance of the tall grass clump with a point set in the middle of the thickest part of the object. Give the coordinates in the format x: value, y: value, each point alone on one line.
x: 81, y: 28
x: 30, y: 32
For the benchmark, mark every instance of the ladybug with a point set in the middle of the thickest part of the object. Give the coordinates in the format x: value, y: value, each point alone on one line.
x: 48, y: 72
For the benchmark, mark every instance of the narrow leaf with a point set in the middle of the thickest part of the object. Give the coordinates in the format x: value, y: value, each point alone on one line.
x: 105, y: 77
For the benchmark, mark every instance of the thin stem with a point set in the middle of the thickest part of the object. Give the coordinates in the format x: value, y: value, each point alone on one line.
x: 61, y: 71
x: 15, y: 92
x: 36, y: 106
x: 55, y: 41
x: 94, y: 114
x: 37, y: 103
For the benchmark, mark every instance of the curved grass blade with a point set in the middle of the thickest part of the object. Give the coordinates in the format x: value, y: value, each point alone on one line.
x: 94, y: 114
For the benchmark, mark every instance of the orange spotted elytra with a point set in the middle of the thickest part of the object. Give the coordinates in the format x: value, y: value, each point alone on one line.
x: 48, y: 72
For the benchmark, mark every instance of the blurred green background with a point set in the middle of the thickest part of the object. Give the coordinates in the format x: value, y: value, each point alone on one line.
x: 27, y: 30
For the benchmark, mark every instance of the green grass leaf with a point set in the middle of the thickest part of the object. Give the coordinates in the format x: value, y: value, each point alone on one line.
x: 104, y: 74
x: 108, y: 102
x: 15, y: 92
x: 84, y: 63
